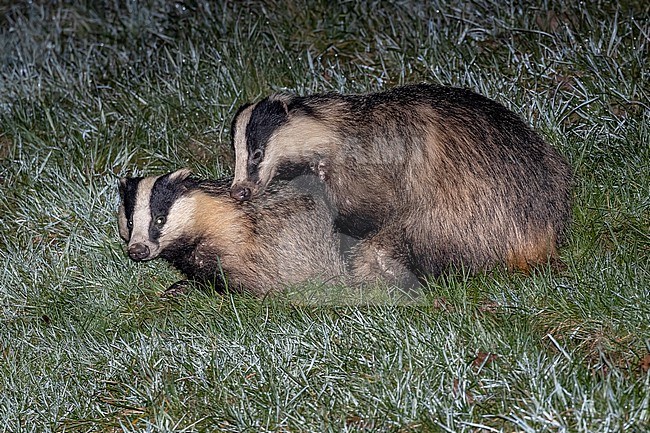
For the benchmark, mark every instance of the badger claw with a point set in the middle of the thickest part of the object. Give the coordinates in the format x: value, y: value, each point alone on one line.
x: 323, y: 168
x: 179, y: 288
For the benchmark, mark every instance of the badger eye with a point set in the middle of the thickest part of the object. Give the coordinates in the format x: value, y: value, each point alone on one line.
x: 129, y: 223
x: 160, y: 221
x: 256, y: 157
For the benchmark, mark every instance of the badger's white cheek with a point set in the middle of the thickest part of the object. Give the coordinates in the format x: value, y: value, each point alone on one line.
x: 266, y: 172
x: 179, y: 221
x: 168, y: 234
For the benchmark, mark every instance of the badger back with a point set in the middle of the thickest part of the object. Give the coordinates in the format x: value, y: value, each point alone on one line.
x: 153, y: 212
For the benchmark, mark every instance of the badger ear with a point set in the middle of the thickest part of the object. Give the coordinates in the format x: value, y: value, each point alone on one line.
x: 180, y: 175
x: 282, y: 101
x: 121, y: 187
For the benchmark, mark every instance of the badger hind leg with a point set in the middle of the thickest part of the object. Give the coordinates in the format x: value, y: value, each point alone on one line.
x: 378, y: 259
x: 536, y: 251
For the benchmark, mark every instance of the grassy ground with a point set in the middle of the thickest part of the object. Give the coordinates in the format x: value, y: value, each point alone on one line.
x: 89, y: 93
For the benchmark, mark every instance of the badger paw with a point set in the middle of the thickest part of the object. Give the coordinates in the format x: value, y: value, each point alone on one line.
x: 179, y: 288
x: 323, y: 170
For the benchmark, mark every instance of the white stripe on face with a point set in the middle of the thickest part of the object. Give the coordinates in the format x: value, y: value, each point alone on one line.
x: 241, y: 149
x: 142, y: 214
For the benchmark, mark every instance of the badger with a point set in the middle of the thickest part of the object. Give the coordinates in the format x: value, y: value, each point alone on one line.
x: 283, y: 237
x: 432, y: 178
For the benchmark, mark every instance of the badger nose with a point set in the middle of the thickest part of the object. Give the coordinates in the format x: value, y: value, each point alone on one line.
x: 138, y: 252
x: 240, y: 193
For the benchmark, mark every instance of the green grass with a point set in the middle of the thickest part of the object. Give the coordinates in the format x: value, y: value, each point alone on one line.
x: 90, y: 93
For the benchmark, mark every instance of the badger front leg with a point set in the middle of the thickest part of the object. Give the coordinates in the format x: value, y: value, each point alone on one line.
x: 183, y: 287
x: 179, y: 288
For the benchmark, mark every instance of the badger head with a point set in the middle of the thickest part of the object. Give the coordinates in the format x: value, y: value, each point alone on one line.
x: 276, y: 137
x: 153, y: 213
x: 252, y: 130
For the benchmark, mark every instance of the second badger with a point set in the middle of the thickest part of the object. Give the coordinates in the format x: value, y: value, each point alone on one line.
x: 284, y: 237
x: 432, y: 178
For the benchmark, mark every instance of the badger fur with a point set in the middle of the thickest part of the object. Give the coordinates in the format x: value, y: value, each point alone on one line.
x: 431, y: 177
x: 283, y: 237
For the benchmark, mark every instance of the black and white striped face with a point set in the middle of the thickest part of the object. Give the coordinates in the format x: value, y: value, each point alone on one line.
x: 252, y: 132
x: 153, y: 213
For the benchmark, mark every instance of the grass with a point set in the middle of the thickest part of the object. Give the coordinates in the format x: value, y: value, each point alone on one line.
x: 91, y: 91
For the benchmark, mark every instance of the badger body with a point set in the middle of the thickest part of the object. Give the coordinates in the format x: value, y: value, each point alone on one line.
x: 431, y: 177
x: 283, y: 237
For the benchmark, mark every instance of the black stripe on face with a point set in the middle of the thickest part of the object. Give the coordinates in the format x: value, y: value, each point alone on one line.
x: 266, y: 118
x: 164, y: 193
x: 128, y: 189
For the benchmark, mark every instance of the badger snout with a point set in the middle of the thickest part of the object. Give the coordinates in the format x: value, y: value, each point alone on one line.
x: 241, y: 193
x: 139, y: 252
